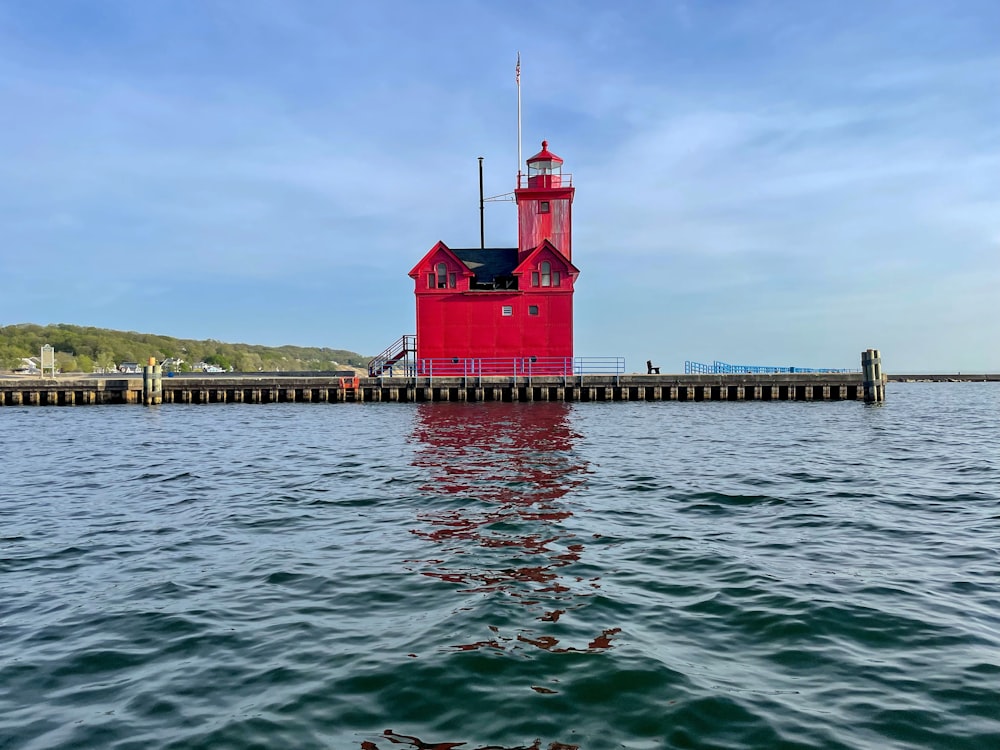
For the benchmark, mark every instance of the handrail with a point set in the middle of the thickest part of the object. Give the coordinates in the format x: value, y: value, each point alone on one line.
x: 564, y: 179
x: 722, y: 368
x: 526, y: 367
x: 399, y: 349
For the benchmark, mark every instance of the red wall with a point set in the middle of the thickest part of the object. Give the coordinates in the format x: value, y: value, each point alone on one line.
x: 470, y: 324
x: 555, y: 226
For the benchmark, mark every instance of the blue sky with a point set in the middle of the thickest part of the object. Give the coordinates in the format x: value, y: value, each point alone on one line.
x: 760, y: 182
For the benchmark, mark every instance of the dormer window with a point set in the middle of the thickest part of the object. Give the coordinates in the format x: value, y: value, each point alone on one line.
x: 545, y: 276
x: 444, y: 280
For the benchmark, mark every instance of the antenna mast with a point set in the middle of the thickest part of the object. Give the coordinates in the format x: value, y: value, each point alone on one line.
x: 517, y: 78
x: 482, y: 217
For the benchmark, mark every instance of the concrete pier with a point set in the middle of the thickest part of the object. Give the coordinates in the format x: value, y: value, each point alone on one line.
x: 257, y: 389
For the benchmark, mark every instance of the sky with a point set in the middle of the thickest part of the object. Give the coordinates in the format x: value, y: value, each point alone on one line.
x: 765, y: 182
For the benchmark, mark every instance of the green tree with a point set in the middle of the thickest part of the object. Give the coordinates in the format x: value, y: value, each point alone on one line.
x: 66, y: 362
x: 107, y: 348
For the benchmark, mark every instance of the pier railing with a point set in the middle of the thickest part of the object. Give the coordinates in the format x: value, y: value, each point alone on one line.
x: 723, y: 368
x: 516, y: 367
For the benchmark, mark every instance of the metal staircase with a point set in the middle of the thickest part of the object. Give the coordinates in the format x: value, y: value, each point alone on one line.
x: 401, y: 353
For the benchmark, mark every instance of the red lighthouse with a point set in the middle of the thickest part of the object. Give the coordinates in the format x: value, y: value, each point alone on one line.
x: 491, y: 311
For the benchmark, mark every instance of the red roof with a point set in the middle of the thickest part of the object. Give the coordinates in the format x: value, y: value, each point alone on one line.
x: 544, y: 155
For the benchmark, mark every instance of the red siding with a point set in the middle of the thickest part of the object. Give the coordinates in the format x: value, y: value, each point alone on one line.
x: 471, y: 325
x: 534, y: 225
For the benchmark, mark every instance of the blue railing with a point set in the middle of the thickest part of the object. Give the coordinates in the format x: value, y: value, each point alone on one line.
x: 722, y: 368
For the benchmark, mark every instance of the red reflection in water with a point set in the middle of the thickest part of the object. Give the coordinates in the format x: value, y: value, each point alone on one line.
x: 510, y: 466
x: 549, y: 643
x: 497, y: 481
x: 418, y: 744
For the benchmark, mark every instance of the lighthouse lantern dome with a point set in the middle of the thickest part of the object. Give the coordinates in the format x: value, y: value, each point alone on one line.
x: 544, y: 168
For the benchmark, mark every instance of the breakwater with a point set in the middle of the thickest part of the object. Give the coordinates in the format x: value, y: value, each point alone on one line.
x: 953, y: 377
x: 267, y: 389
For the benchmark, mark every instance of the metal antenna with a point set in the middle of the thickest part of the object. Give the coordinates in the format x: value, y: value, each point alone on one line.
x: 517, y: 78
x: 482, y: 216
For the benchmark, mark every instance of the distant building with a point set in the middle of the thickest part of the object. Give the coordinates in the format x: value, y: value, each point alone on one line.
x: 205, y: 367
x: 29, y: 366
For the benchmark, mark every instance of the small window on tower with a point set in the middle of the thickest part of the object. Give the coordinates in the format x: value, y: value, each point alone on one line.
x: 451, y: 281
x: 555, y: 278
x: 507, y: 311
x: 532, y: 309
x: 442, y: 276
x: 543, y: 207
x: 534, y: 278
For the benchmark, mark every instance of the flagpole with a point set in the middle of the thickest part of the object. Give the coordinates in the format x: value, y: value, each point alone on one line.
x: 517, y: 77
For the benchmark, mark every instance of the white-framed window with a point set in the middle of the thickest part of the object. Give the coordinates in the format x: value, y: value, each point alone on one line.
x: 507, y: 311
x: 546, y: 269
x: 440, y: 278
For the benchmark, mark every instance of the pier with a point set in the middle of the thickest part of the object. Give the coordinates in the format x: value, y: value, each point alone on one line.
x: 277, y: 388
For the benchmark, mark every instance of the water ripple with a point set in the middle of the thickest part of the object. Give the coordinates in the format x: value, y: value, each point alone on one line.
x: 503, y: 576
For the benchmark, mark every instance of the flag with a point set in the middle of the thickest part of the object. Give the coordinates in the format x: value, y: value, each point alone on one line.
x: 517, y: 70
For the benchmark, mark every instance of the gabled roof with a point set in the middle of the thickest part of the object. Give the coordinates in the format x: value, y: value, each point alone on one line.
x: 546, y: 248
x: 488, y: 263
x: 484, y: 263
x: 438, y: 247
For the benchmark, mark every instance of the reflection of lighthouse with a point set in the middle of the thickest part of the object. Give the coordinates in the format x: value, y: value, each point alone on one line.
x: 498, y: 477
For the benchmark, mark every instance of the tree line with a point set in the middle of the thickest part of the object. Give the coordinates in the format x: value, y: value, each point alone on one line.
x: 86, y: 349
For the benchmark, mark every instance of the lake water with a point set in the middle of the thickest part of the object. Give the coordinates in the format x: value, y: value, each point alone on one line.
x: 506, y: 576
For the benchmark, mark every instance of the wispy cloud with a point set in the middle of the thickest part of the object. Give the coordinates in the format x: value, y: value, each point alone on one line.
x: 762, y: 171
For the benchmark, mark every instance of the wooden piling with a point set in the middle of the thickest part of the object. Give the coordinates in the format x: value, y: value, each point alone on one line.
x: 152, y: 383
x: 873, y: 381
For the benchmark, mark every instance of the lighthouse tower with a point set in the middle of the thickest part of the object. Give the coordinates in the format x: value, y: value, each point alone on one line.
x: 544, y: 205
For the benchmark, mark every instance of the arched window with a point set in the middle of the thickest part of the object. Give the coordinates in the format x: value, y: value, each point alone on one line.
x: 442, y: 276
x: 546, y: 269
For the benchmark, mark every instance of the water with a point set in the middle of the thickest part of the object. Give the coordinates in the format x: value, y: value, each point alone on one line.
x: 503, y: 576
